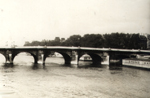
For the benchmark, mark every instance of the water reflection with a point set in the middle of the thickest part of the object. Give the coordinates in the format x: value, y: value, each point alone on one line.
x: 45, y: 65
x: 7, y: 65
x: 116, y: 67
x: 35, y: 66
x: 14, y: 65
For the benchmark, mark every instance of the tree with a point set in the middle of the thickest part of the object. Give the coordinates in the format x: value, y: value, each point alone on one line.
x: 92, y: 40
x: 62, y: 40
x: 73, y: 40
x: 57, y: 39
x: 27, y: 43
x: 113, y: 40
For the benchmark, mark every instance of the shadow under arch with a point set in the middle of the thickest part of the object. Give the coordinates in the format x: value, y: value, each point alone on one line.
x: 54, y: 57
x: 96, y: 59
x: 24, y: 53
x: 66, y: 57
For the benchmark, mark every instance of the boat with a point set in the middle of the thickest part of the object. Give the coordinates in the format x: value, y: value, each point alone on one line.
x: 86, y: 58
x: 136, y: 62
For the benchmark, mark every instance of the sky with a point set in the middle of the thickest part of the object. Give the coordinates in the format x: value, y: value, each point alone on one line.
x: 28, y: 20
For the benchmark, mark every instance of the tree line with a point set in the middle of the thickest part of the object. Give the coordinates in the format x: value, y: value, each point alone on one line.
x: 113, y: 40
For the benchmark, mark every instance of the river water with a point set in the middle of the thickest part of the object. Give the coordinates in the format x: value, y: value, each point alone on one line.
x: 24, y: 80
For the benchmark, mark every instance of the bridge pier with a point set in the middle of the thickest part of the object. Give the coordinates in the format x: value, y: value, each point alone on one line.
x: 75, y: 60
x: 9, y: 58
x: 115, y: 62
x: 40, y: 60
x: 42, y: 57
x: 72, y: 60
x: 96, y: 59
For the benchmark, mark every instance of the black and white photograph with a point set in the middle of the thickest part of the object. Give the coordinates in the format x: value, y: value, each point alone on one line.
x: 74, y: 48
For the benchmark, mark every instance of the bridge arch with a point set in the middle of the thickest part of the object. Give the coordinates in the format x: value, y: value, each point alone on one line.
x: 54, y: 57
x: 4, y: 53
x: 2, y: 58
x: 96, y: 58
x: 65, y: 55
x: 30, y: 53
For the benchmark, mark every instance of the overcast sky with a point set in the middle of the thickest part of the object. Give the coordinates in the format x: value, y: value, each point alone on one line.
x: 27, y: 20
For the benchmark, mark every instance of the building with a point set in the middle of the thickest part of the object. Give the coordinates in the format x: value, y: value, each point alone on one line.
x: 148, y: 41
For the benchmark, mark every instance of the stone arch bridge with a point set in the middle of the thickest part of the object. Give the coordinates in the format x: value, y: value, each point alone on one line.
x: 72, y: 54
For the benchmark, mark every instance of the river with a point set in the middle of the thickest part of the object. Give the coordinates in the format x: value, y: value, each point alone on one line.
x: 23, y: 80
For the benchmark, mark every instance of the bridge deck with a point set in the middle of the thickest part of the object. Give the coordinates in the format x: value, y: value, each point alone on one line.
x: 76, y: 48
